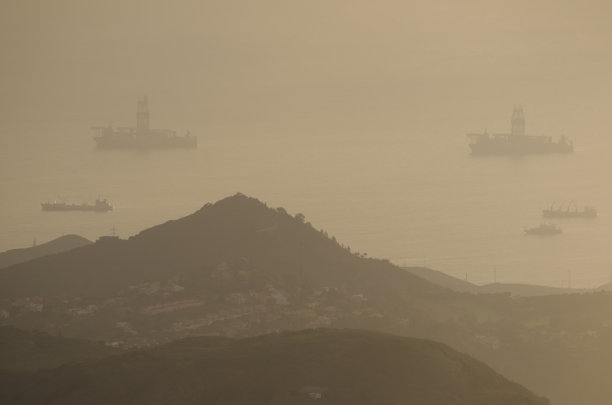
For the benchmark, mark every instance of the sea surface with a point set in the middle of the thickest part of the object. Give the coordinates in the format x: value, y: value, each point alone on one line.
x: 416, y: 199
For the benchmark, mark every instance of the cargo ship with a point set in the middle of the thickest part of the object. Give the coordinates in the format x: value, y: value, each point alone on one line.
x: 517, y: 142
x: 552, y: 212
x: 98, y: 206
x: 141, y: 136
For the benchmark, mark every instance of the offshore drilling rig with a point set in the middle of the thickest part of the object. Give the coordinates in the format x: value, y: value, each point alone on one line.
x: 517, y: 142
x: 141, y: 136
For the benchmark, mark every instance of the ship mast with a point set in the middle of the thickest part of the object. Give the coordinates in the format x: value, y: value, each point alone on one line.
x: 517, y: 122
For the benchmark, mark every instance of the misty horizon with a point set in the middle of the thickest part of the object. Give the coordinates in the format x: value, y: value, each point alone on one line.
x: 374, y: 172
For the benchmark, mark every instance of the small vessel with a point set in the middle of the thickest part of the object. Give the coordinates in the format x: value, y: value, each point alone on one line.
x: 517, y: 142
x: 544, y: 229
x: 98, y: 206
x: 141, y: 136
x: 552, y: 212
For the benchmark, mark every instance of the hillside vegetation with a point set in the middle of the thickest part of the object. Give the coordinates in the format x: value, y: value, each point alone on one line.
x: 238, y: 268
x: 29, y: 351
x: 340, y: 366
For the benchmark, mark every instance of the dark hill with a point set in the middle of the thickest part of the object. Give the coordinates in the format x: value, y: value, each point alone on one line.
x: 442, y: 279
x: 239, y: 268
x: 527, y: 290
x: 343, y: 366
x: 236, y: 228
x: 28, y: 351
x: 58, y: 245
x: 518, y: 290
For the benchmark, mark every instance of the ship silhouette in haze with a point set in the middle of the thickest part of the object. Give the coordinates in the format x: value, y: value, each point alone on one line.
x: 544, y: 229
x: 141, y: 136
x: 98, y: 206
x: 517, y: 142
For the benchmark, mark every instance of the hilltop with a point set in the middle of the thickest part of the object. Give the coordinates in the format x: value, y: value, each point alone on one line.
x: 339, y: 366
x: 62, y: 244
x: 235, y: 231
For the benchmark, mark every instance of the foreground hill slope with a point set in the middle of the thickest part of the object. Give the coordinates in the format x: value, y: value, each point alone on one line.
x: 58, y: 245
x: 342, y: 366
x: 239, y: 268
x: 29, y: 351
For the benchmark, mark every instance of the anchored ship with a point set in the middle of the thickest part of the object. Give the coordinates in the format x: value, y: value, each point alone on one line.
x: 141, y: 136
x: 543, y: 229
x: 517, y: 142
x: 98, y: 206
x: 552, y: 212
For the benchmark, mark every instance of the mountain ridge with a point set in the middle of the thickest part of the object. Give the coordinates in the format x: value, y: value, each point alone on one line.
x: 238, y: 268
x: 61, y: 244
x: 514, y: 289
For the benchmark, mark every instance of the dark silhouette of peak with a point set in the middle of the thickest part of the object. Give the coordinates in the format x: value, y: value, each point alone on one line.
x: 62, y: 244
x: 325, y: 365
x: 235, y: 231
x: 227, y: 217
x: 236, y: 202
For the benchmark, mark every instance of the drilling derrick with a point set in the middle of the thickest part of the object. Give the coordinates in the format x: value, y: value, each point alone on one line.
x: 142, y: 114
x: 518, y: 122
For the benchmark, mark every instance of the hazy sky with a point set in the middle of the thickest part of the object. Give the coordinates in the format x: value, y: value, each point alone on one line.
x: 241, y: 60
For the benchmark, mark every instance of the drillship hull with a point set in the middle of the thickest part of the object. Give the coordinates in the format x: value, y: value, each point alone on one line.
x: 518, y: 145
x: 129, y: 142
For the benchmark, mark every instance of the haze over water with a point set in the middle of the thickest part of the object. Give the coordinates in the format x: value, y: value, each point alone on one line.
x: 432, y: 203
x: 360, y: 128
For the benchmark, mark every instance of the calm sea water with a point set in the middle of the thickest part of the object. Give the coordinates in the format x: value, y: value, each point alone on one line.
x: 414, y: 199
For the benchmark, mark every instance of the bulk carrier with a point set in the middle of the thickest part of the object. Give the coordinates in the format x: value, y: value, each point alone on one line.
x: 98, y: 206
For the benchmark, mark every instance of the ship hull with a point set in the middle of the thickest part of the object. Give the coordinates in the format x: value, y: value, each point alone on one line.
x: 55, y: 207
x: 570, y: 214
x: 543, y: 230
x: 111, y: 142
x: 539, y: 233
x: 99, y: 206
x: 527, y: 146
